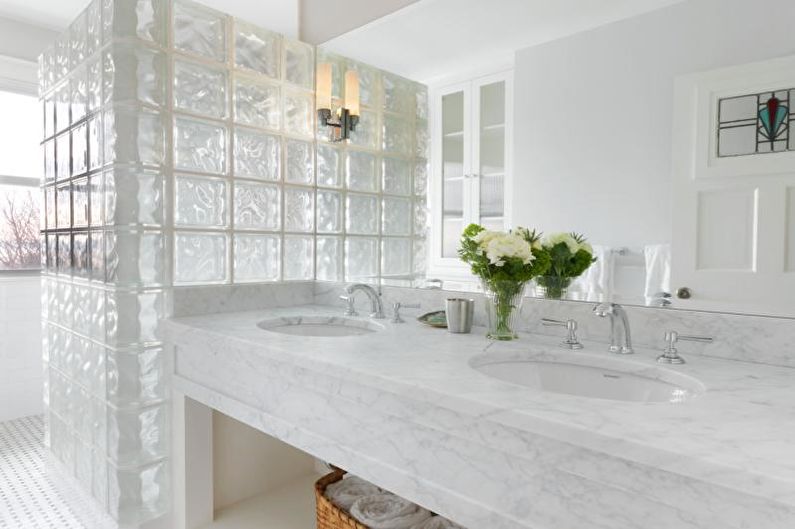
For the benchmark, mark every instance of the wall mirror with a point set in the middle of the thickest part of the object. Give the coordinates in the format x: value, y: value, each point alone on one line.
x: 683, y: 182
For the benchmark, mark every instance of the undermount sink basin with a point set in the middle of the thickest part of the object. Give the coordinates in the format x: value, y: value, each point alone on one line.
x: 612, y: 380
x: 325, y: 326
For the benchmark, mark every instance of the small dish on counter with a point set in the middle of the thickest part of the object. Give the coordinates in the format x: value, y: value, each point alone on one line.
x: 434, y: 319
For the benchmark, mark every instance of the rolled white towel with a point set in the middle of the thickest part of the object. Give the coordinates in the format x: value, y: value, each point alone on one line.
x: 437, y: 522
x: 387, y: 511
x: 346, y: 491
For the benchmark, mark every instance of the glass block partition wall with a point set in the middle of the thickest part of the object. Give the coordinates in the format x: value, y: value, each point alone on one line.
x: 180, y: 148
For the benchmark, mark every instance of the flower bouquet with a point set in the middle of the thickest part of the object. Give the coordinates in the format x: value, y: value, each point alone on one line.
x: 504, y: 262
x: 569, y: 256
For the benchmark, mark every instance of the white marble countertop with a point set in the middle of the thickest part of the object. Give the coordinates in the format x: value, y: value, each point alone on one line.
x: 739, y: 434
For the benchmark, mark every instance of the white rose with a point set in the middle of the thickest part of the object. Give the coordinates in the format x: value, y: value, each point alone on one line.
x: 554, y: 239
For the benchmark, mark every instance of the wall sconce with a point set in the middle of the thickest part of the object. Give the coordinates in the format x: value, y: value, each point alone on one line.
x: 345, y: 119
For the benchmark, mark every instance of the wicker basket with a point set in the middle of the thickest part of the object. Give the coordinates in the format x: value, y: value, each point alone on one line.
x: 329, y: 516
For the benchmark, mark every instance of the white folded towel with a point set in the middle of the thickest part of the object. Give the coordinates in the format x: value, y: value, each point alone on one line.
x: 658, y: 270
x: 346, y: 491
x: 387, y: 511
x: 596, y: 283
x: 437, y: 522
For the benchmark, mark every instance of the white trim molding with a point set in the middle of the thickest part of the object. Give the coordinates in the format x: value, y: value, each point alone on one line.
x: 18, y: 76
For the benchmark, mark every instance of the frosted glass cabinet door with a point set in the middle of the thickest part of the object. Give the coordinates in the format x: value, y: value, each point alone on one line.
x: 453, y: 156
x: 490, y: 155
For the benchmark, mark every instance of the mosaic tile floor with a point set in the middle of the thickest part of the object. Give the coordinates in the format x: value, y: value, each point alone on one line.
x: 30, y: 498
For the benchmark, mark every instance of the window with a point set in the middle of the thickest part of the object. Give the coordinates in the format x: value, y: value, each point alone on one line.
x: 755, y: 124
x: 19, y: 182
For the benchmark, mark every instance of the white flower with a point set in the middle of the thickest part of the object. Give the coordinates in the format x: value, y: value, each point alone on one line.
x: 567, y: 238
x: 499, y: 246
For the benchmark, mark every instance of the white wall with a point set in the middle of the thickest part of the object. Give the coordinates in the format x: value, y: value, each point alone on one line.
x: 593, y: 113
x: 20, y: 347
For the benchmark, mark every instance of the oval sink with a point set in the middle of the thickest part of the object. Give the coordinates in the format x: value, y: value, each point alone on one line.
x: 611, y: 380
x: 325, y: 326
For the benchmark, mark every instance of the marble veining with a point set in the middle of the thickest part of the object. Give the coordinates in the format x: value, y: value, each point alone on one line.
x: 404, y: 408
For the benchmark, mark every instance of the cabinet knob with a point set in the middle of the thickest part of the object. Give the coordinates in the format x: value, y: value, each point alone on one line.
x: 684, y: 293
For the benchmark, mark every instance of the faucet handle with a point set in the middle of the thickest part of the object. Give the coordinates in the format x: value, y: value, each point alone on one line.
x: 670, y: 353
x: 350, y: 309
x: 571, y: 341
x: 396, y: 310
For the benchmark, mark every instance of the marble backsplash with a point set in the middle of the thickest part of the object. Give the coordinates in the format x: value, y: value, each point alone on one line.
x: 759, y: 339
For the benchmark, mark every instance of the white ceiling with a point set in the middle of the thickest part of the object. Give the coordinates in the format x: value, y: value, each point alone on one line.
x: 277, y: 15
x: 434, y: 39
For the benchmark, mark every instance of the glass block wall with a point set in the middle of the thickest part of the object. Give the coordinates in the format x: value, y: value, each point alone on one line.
x: 180, y: 148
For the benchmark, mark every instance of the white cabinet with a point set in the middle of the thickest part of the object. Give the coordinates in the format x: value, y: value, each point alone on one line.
x: 471, y: 138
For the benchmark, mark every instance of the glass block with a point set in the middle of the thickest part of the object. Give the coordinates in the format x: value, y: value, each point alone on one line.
x: 199, y: 30
x: 257, y: 206
x: 143, y: 19
x: 397, y: 135
x: 97, y: 240
x: 396, y: 176
x: 95, y: 149
x: 93, y: 27
x: 136, y: 495
x: 396, y: 257
x: 83, y: 463
x: 49, y: 201
x: 361, y: 259
x: 257, y: 155
x: 300, y: 167
x: 136, y: 378
x: 78, y: 32
x: 79, y: 149
x: 80, y: 255
x: 49, y: 117
x: 52, y: 253
x: 62, y: 156
x: 257, y: 257
x: 47, y: 68
x: 49, y: 160
x: 299, y: 214
x: 328, y: 166
x: 366, y: 133
x: 299, y: 63
x: 422, y: 139
x: 90, y: 371
x: 135, y: 258
x: 97, y: 323
x: 329, y: 211
x: 137, y: 435
x: 199, y: 146
x: 63, y: 197
x: 133, y: 136
x: 360, y: 171
x: 133, y: 197
x: 200, y: 89
x: 257, y: 49
x: 64, y: 257
x: 200, y: 202
x: 421, y: 177
x: 63, y: 96
x: 298, y: 113
x: 200, y: 258
x: 94, y: 80
x: 81, y: 321
x: 397, y: 216
x: 133, y: 73
x: 369, y: 84
x: 257, y: 103
x: 329, y: 259
x: 420, y: 257
x: 298, y: 257
x: 80, y: 203
x: 96, y: 192
x: 62, y: 61
x: 79, y: 87
x: 420, y: 218
x: 133, y: 318
x: 99, y: 480
x: 399, y: 96
x: 421, y: 100
x: 361, y: 214
x: 338, y: 67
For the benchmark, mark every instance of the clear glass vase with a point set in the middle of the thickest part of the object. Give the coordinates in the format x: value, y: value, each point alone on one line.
x: 553, y: 287
x: 503, y: 301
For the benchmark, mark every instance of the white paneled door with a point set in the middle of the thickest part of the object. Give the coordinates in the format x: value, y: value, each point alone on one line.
x: 734, y: 189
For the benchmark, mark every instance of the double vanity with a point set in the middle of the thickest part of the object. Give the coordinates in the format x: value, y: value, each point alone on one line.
x: 502, y: 435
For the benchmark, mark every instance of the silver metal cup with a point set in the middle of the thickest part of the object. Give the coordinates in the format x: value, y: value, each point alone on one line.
x: 460, y: 313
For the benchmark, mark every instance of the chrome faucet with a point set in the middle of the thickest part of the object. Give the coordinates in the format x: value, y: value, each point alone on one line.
x: 620, y: 337
x: 376, y: 308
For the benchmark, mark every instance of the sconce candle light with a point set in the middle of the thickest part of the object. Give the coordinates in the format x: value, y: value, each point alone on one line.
x: 345, y: 119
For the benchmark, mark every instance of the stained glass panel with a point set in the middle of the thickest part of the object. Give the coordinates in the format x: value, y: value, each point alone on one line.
x: 755, y: 123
